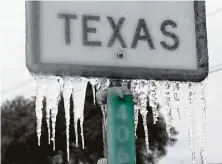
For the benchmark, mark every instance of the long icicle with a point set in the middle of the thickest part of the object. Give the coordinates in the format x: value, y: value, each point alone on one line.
x: 104, y: 126
x: 67, y: 91
x: 79, y: 93
x: 52, y: 100
x: 203, y: 120
x: 134, y: 90
x: 102, y: 101
x: 168, y: 108
x: 190, y: 113
x: 41, y: 89
x: 139, y: 90
x: 143, y: 98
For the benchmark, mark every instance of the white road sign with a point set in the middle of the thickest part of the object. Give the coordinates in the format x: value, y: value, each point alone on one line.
x: 150, y: 40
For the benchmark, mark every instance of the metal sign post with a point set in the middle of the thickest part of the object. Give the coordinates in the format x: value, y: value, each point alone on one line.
x: 120, y: 129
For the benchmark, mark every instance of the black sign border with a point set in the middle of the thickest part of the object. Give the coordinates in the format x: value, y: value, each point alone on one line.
x: 33, y: 51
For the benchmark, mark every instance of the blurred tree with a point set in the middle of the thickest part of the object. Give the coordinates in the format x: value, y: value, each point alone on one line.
x: 19, y: 140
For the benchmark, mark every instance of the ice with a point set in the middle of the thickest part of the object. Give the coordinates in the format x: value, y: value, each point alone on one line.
x: 201, y: 100
x: 104, y: 127
x: 124, y: 82
x: 136, y: 114
x: 167, y: 107
x: 191, y: 119
x: 134, y: 88
x: 79, y: 93
x: 176, y: 97
x: 102, y: 101
x: 152, y: 94
x: 139, y: 89
x: 52, y: 99
x: 144, y: 115
x: 67, y: 92
x: 94, y: 83
x: 160, y: 96
x: 203, y: 116
x: 41, y: 90
x: 172, y: 95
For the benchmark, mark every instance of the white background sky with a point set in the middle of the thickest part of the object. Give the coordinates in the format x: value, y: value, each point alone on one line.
x: 16, y: 79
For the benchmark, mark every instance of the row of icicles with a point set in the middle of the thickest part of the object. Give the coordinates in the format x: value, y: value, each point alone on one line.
x: 172, y: 96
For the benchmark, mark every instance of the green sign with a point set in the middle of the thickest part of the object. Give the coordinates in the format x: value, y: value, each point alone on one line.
x: 120, y: 129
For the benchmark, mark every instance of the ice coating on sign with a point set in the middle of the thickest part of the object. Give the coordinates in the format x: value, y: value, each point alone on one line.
x: 191, y: 119
x: 176, y: 97
x: 167, y: 107
x: 79, y: 93
x: 94, y: 82
x: 67, y: 92
x: 41, y: 90
x: 152, y: 94
x: 52, y: 100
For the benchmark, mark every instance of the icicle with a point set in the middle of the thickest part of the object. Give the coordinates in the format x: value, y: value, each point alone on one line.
x: 52, y: 100
x: 76, y: 130
x: 67, y: 91
x: 190, y: 113
x: 152, y: 94
x: 41, y: 89
x: 139, y: 91
x: 176, y: 97
x: 102, y: 101
x: 104, y: 126
x: 94, y: 82
x: 203, y: 120
x: 135, y: 94
x: 167, y: 106
x: 79, y: 93
x: 104, y: 113
x: 136, y: 115
x: 144, y: 115
x: 82, y: 132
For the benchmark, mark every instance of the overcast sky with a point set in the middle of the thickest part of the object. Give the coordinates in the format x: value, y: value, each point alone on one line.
x: 16, y: 79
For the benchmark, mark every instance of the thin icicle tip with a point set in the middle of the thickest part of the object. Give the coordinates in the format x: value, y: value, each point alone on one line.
x: 67, y: 92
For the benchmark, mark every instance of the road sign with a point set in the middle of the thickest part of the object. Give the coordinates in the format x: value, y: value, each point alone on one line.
x: 120, y: 129
x: 160, y: 40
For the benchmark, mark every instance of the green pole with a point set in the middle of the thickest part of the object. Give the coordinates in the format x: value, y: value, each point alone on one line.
x: 120, y: 128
